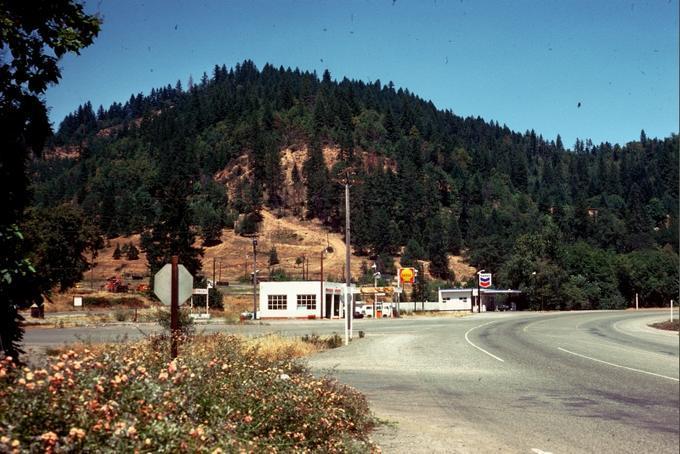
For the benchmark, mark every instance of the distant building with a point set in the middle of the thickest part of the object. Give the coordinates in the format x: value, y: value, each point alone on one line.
x: 455, y: 299
x: 461, y: 299
x: 302, y: 299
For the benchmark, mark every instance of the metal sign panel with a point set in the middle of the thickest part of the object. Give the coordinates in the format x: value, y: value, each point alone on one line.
x: 406, y: 275
x: 485, y: 280
x: 163, y: 280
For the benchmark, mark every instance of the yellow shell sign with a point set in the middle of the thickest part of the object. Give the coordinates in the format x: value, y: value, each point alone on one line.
x: 406, y: 275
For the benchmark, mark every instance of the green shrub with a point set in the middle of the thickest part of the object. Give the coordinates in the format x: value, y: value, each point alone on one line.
x: 279, y: 274
x: 215, y: 299
x: 326, y: 342
x: 120, y: 314
x: 117, y: 252
x: 132, y: 252
x: 186, y: 323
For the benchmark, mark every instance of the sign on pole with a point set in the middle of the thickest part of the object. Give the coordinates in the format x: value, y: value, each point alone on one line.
x: 485, y: 280
x: 173, y: 285
x: 162, y: 283
x: 406, y: 275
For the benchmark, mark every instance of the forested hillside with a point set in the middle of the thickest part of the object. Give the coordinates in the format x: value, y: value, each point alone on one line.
x: 584, y: 227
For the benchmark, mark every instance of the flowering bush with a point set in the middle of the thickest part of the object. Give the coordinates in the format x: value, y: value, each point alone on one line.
x: 219, y: 395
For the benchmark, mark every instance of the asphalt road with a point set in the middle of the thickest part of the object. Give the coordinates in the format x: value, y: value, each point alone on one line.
x: 497, y: 382
x: 560, y: 383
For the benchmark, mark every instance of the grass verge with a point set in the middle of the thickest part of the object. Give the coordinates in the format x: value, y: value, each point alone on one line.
x: 222, y: 394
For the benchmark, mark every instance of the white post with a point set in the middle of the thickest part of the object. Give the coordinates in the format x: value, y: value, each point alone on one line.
x: 636, y: 302
x: 346, y: 314
x: 350, y: 297
x: 671, y: 310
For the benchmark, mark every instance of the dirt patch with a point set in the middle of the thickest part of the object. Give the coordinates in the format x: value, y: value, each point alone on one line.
x: 667, y: 325
x: 133, y: 272
x: 292, y: 239
x: 233, y: 256
x: 462, y: 270
x: 63, y: 302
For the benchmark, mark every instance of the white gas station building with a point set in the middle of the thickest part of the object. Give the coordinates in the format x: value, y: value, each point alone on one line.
x: 462, y: 299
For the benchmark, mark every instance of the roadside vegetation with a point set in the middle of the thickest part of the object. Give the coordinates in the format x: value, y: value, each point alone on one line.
x: 222, y: 394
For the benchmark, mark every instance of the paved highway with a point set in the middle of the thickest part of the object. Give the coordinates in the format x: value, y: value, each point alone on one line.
x: 560, y: 383
x: 498, y: 382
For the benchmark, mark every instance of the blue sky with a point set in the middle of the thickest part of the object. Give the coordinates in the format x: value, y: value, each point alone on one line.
x: 526, y: 64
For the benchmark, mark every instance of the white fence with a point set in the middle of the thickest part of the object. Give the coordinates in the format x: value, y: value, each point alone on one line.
x: 422, y: 306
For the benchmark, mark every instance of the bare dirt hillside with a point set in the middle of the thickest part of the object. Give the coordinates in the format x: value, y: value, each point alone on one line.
x: 292, y: 238
x: 134, y: 271
x: 462, y: 270
x: 233, y: 257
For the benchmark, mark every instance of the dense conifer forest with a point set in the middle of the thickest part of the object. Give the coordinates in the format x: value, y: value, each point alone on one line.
x: 579, y: 227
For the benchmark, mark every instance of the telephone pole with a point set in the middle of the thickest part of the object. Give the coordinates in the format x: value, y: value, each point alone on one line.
x: 348, y: 254
x: 254, y: 278
x: 322, y: 299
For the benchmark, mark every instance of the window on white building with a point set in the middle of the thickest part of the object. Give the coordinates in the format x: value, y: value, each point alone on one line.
x: 277, y: 302
x: 306, y: 301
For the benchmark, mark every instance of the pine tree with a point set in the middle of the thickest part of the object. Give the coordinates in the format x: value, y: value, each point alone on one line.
x: 117, y: 253
x: 420, y: 285
x: 171, y: 233
x: 316, y: 175
x: 454, y: 236
x: 133, y: 252
x: 273, y: 258
x: 412, y: 253
x: 437, y: 247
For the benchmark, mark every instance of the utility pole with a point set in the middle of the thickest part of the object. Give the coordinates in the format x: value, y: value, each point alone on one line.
x: 479, y: 292
x: 322, y: 300
x: 376, y: 276
x: 92, y: 273
x: 348, y: 309
x: 174, y: 306
x: 254, y: 278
